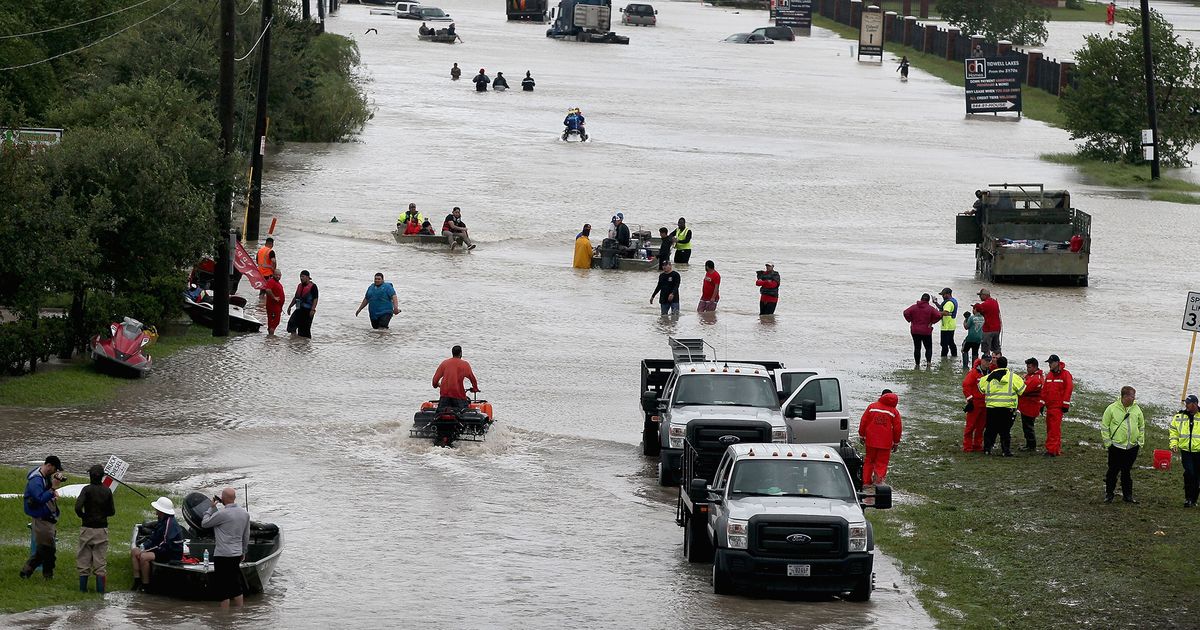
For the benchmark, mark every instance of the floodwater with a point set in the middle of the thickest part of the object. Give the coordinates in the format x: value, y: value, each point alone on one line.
x: 845, y: 178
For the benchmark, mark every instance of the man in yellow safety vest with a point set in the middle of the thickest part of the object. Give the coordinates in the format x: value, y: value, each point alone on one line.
x: 1123, y: 431
x: 1185, y: 440
x: 949, y: 308
x: 1001, y: 389
x: 683, y: 243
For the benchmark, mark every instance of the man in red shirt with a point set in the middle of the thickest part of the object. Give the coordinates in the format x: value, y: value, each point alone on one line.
x: 880, y: 431
x: 449, y: 379
x: 710, y: 293
x: 274, y: 291
x: 990, y: 309
x: 1030, y: 402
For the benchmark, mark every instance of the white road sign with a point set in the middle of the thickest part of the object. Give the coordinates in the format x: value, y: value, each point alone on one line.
x: 1191, y: 313
x: 116, y: 468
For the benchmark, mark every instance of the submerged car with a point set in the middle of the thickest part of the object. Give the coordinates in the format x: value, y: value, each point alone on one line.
x: 425, y: 14
x: 748, y: 38
x: 639, y: 15
x: 781, y: 33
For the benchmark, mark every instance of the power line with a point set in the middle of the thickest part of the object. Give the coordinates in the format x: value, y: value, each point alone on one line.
x: 59, y: 28
x: 256, y: 43
x: 252, y: 3
x: 86, y: 46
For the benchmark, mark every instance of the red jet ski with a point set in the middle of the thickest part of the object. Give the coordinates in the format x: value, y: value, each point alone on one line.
x: 123, y: 353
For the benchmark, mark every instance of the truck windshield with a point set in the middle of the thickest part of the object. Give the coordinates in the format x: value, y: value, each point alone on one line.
x: 790, y: 478
x: 726, y: 389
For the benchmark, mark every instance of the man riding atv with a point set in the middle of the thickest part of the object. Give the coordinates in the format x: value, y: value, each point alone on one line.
x: 574, y: 123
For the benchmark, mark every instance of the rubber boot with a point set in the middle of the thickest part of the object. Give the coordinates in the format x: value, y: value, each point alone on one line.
x: 100, y: 584
x: 83, y: 579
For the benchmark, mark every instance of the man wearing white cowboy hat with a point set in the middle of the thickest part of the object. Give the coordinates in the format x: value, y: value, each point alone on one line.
x: 165, y: 544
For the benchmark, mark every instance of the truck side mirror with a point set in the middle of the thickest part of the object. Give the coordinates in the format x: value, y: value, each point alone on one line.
x: 880, y: 500
x: 649, y: 401
x: 805, y: 410
x: 698, y: 489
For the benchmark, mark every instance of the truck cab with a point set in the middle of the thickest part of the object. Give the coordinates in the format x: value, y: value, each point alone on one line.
x: 783, y: 517
x: 584, y: 21
x: 690, y: 389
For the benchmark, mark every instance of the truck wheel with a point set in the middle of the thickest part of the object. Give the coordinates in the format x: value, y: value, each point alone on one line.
x: 696, y: 546
x: 650, y: 445
x: 862, y: 590
x: 722, y: 583
x: 666, y: 476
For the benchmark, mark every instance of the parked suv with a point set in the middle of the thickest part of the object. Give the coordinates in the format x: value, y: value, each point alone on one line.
x: 779, y: 33
x: 783, y: 517
x: 639, y: 15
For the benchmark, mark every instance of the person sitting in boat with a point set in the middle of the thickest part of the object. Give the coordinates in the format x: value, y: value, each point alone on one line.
x: 425, y: 30
x: 194, y: 293
x: 410, y: 221
x: 426, y: 228
x: 165, y: 544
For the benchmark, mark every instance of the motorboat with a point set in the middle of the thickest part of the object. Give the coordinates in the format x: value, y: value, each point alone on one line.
x: 191, y: 578
x: 202, y: 313
x: 425, y: 239
x: 123, y: 352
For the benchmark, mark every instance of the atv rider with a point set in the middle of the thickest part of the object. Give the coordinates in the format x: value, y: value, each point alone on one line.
x: 449, y: 380
x: 574, y: 122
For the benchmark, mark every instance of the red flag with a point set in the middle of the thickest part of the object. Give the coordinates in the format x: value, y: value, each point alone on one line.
x: 245, y: 264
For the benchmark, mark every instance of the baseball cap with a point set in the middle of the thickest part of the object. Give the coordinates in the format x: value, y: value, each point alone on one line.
x: 1192, y: 399
x: 1053, y: 359
x: 54, y: 461
x: 1032, y: 360
x: 945, y: 291
x: 621, y: 216
x: 770, y: 264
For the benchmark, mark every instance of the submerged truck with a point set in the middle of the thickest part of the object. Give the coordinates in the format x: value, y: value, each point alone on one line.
x: 1024, y: 233
x: 530, y: 10
x: 782, y: 517
x: 717, y: 403
x: 584, y: 21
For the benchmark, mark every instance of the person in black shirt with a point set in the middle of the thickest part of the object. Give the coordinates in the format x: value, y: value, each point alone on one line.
x: 667, y: 290
x: 624, y: 239
x: 664, y: 250
x: 527, y: 83
x: 94, y: 506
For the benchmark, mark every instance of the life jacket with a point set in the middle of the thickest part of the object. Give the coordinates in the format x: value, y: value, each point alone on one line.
x: 683, y: 234
x: 766, y: 291
x: 265, y: 267
x: 304, y: 296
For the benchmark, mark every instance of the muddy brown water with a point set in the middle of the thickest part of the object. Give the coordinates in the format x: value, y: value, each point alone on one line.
x: 845, y: 178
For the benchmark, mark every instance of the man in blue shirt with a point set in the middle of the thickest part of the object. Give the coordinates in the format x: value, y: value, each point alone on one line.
x: 382, y: 302
x: 41, y: 505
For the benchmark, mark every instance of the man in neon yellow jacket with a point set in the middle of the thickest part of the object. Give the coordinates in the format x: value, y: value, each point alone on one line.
x: 1185, y: 440
x: 1123, y: 430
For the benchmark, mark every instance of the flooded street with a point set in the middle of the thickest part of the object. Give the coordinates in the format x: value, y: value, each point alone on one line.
x: 845, y: 178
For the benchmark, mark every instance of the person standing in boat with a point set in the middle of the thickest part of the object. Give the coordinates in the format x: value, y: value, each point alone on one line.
x: 231, y: 527
x: 304, y: 301
x: 664, y: 248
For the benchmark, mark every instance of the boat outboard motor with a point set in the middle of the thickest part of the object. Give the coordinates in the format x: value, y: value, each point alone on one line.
x: 195, y: 506
x: 608, y: 253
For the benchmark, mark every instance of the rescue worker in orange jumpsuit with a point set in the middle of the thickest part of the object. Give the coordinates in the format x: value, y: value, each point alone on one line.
x: 266, y: 265
x: 1030, y: 403
x: 1056, y: 395
x: 975, y: 409
x: 880, y: 431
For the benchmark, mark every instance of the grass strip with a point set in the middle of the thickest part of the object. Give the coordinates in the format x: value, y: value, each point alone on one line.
x: 36, y: 592
x: 1027, y: 542
x: 1121, y: 175
x: 81, y: 384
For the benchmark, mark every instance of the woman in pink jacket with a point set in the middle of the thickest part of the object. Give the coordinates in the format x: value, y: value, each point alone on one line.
x: 922, y: 316
x: 880, y: 430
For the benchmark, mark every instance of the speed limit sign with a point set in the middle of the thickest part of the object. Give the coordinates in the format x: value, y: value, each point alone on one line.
x: 1191, y: 314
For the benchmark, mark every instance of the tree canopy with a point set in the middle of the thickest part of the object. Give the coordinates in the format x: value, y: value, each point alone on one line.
x: 1021, y: 22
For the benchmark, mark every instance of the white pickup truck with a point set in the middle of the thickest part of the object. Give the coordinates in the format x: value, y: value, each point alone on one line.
x: 739, y: 398
x: 782, y: 517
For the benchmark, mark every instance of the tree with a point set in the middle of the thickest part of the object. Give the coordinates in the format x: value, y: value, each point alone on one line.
x: 1019, y: 21
x: 1105, y: 107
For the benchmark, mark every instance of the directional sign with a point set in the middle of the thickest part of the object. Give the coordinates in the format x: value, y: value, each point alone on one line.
x: 870, y: 35
x: 1191, y: 312
x: 993, y: 84
x: 796, y: 14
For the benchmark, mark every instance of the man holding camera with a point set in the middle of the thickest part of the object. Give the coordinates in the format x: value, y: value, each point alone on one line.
x: 231, y: 527
x: 41, y: 504
x: 768, y: 289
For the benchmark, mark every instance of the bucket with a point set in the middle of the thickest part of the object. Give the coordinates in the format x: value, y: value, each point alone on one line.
x: 1162, y: 459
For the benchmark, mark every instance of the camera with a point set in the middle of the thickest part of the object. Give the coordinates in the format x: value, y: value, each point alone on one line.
x: 216, y: 499
x: 60, y: 477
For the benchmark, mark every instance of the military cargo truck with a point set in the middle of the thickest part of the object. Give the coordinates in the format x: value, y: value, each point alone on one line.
x: 1026, y: 234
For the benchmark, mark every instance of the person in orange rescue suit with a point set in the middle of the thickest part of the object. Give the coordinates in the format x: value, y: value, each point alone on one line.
x: 1029, y: 405
x: 1056, y: 395
x: 975, y: 408
x: 880, y: 431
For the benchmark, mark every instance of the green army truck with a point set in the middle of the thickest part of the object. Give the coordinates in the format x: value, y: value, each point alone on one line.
x: 1024, y: 233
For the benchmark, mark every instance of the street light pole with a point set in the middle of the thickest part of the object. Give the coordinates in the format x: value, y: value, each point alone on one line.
x: 1151, y: 103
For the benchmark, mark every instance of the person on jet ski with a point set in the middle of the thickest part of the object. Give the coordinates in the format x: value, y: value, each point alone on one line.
x: 574, y: 122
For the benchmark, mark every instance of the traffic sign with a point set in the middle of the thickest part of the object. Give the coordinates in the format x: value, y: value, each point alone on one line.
x: 1191, y: 312
x: 116, y: 467
x: 993, y: 84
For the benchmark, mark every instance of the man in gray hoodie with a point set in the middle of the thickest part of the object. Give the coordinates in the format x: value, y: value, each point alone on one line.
x: 231, y: 527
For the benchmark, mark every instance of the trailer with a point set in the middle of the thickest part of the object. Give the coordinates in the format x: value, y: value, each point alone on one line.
x: 584, y: 21
x: 1024, y: 233
x: 526, y: 10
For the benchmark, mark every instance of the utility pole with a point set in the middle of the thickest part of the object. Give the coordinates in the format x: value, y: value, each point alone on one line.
x: 224, y: 197
x: 305, y: 12
x: 1151, y: 103
x: 253, y: 209
x: 321, y: 16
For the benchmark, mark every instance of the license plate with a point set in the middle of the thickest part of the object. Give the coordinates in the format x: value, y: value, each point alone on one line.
x: 799, y: 570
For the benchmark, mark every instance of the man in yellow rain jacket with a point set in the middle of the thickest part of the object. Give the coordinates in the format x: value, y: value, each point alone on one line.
x: 1123, y: 430
x: 1185, y: 440
x: 1001, y: 388
x: 583, y: 248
